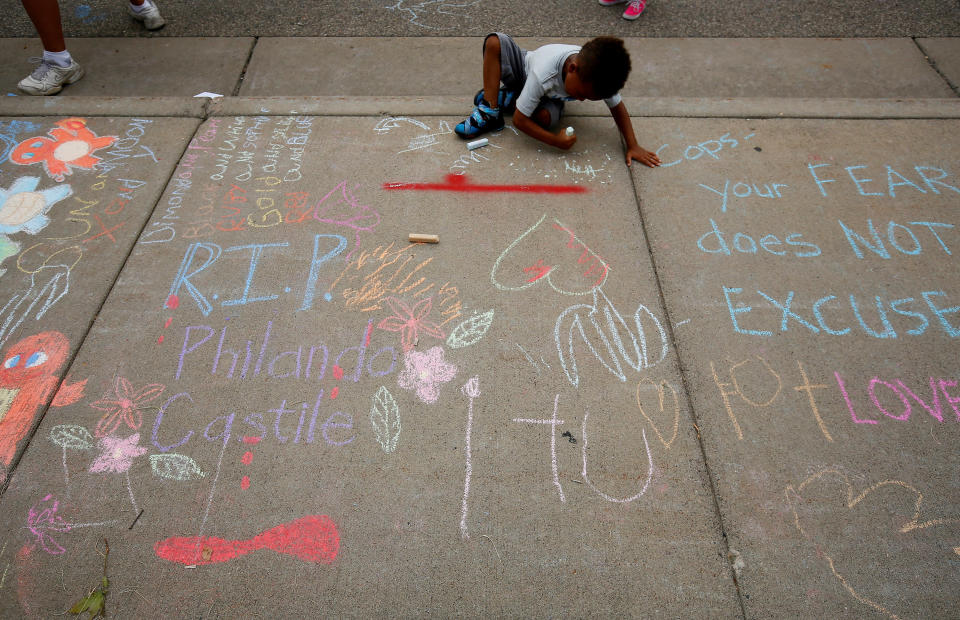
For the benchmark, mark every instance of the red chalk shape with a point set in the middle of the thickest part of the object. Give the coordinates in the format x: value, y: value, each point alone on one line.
x: 459, y: 183
x: 173, y: 301
x: 245, y: 483
x: 337, y: 372
x: 313, y: 538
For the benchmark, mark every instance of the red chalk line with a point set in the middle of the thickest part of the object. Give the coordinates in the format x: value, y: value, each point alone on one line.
x: 459, y: 183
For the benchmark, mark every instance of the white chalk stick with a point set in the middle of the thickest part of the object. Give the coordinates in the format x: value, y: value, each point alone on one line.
x: 418, y: 238
x: 569, y: 131
x: 477, y: 143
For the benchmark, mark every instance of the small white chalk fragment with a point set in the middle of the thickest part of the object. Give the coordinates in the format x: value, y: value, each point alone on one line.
x: 477, y: 143
x: 570, y: 131
x: 419, y: 238
x: 191, y: 566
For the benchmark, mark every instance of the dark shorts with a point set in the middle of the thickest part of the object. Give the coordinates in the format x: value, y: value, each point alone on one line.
x: 514, y: 75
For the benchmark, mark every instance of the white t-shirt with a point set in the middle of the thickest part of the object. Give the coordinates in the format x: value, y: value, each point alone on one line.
x: 544, y: 67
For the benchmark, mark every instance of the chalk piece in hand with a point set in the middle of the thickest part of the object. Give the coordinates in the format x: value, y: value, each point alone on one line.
x: 477, y: 143
x: 569, y: 131
x: 417, y: 238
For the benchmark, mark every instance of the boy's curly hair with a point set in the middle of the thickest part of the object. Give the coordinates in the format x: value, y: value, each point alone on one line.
x: 605, y: 63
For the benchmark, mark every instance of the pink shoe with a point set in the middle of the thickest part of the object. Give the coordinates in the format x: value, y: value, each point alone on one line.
x: 634, y: 9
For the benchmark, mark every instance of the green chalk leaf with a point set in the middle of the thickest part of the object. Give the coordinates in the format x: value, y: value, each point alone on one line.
x: 72, y: 436
x: 470, y: 331
x: 175, y: 467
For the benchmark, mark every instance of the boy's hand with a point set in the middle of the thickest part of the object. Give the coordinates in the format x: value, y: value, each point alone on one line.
x: 643, y: 156
x: 563, y: 141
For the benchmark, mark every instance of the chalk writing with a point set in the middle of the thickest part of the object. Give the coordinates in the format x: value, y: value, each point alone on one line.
x: 553, y: 422
x: 586, y: 478
x: 745, y: 189
x: 930, y: 176
x: 888, y: 311
x: 895, y: 236
x: 471, y: 390
x: 709, y: 148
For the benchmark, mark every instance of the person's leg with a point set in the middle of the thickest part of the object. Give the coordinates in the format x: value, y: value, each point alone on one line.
x: 45, y: 15
x: 491, y: 69
x: 146, y: 11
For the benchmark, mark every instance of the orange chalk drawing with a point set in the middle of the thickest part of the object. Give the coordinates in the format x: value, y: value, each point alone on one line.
x: 72, y: 146
x: 27, y: 382
x: 815, y: 496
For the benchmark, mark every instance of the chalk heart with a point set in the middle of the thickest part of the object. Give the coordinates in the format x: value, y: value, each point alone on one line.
x: 549, y: 254
x: 660, y: 407
x: 880, y: 544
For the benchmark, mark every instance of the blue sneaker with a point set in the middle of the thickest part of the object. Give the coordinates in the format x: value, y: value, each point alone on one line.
x: 506, y: 100
x: 484, y: 119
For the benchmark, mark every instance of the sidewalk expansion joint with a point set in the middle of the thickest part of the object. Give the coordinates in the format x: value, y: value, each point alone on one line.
x: 933, y: 65
x: 687, y: 392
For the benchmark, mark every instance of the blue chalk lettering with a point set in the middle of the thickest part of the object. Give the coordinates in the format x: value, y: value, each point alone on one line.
x: 735, y: 311
x: 930, y: 226
x: 183, y: 278
x: 916, y: 331
x: 891, y: 235
x: 858, y: 182
x: 820, y: 182
x: 256, y: 251
x: 941, y: 313
x: 905, y: 181
x: 934, y: 181
x: 877, y: 249
x: 787, y: 313
x: 821, y: 322
x: 888, y: 331
x: 315, y: 264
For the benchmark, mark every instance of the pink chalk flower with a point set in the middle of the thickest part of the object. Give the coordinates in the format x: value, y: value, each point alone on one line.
x: 425, y: 372
x: 116, y: 455
x: 410, y: 323
x: 124, y: 405
x: 43, y: 518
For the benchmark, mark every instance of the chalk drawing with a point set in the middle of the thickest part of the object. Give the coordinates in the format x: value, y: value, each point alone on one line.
x: 798, y: 502
x: 425, y: 141
x: 313, y: 538
x: 23, y: 209
x: 385, y: 125
x: 554, y: 422
x: 611, y: 346
x: 27, y: 382
x: 70, y: 437
x: 48, y: 284
x: 645, y: 385
x: 385, y: 418
x: 173, y: 466
x: 72, y: 146
x: 425, y: 373
x: 567, y: 280
x: 9, y: 132
x: 124, y: 405
x: 586, y: 478
x: 416, y: 12
x: 471, y: 390
x: 116, y: 456
x: 470, y: 331
x: 43, y: 519
x: 411, y: 323
x: 460, y: 184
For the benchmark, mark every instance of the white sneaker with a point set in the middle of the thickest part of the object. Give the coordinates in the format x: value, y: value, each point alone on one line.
x: 48, y: 79
x: 150, y: 16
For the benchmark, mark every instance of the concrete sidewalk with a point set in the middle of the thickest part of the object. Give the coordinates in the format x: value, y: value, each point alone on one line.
x: 723, y: 388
